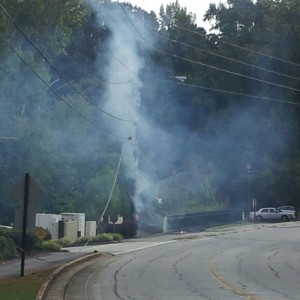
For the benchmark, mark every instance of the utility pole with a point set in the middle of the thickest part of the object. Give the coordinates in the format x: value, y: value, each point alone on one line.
x: 25, y: 208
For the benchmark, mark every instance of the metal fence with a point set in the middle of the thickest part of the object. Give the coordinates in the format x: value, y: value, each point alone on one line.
x: 200, y: 221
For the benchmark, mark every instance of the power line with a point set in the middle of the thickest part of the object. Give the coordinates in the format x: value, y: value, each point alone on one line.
x: 239, y: 47
x: 56, y: 94
x: 207, y: 65
x: 213, y: 89
x: 233, y: 45
x: 228, y: 58
x: 55, y: 69
x: 118, y: 60
x: 226, y: 71
x: 229, y: 92
x: 98, y: 77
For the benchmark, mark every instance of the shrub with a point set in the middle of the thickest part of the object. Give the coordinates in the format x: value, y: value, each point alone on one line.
x: 51, y: 245
x: 81, y: 241
x: 8, y: 248
x: 102, y: 238
x: 64, y: 242
x: 16, y: 236
x: 117, y: 237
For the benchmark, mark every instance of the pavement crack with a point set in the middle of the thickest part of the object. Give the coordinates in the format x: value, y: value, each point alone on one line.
x: 116, y: 282
x: 181, y: 277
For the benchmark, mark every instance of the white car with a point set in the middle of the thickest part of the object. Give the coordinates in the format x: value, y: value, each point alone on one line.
x: 288, y: 209
x: 270, y: 214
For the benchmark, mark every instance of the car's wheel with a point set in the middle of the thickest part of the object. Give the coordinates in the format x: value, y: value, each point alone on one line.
x: 284, y: 218
x: 259, y: 218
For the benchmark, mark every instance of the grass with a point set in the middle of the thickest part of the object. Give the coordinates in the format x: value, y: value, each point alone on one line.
x: 26, y: 288
x: 22, y: 288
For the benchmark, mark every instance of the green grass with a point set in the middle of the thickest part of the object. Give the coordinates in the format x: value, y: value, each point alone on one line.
x: 22, y: 288
x: 26, y: 288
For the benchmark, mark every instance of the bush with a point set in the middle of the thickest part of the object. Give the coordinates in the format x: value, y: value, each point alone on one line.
x: 64, y: 242
x: 81, y: 241
x: 102, y: 238
x: 99, y: 239
x: 117, y: 237
x: 50, y: 245
x: 16, y: 236
x: 8, y: 248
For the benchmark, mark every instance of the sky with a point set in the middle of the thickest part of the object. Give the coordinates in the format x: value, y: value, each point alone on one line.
x: 198, y: 7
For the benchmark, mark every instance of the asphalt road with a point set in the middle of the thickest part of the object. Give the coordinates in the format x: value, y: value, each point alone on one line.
x: 252, y: 262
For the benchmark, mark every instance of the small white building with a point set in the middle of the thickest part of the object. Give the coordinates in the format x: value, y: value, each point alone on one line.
x: 79, y: 218
x: 49, y: 222
x: 90, y: 228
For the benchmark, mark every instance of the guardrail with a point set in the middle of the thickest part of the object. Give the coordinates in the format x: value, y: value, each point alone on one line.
x: 199, y: 221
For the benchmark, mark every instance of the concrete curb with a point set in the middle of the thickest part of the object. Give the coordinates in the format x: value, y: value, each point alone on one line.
x: 43, y: 288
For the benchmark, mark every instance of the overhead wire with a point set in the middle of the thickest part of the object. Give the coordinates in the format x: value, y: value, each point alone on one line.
x: 240, y: 47
x: 118, y: 60
x: 56, y: 70
x: 225, y: 57
x: 102, y: 79
x: 226, y: 71
x: 214, y: 67
x: 230, y: 92
x: 230, y: 43
x: 229, y: 58
x: 56, y: 94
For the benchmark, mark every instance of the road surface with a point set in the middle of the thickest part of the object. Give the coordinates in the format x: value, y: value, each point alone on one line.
x: 258, y: 262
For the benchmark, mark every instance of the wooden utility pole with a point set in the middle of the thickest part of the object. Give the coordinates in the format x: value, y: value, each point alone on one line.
x: 25, y: 208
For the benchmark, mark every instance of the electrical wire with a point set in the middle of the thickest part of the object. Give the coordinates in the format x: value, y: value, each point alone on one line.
x: 114, y: 183
x: 206, y: 65
x: 229, y: 92
x: 118, y: 60
x: 229, y: 58
x: 111, y: 191
x: 240, y: 47
x: 228, y: 43
x: 55, y: 69
x: 55, y: 93
x: 225, y: 57
x: 226, y: 71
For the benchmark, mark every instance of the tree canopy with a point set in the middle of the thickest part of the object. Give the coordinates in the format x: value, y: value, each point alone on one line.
x: 85, y: 86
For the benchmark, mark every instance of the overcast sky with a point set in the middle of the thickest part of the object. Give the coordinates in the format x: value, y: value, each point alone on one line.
x: 198, y: 7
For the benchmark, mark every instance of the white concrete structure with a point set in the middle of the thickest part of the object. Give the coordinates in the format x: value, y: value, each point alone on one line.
x: 90, y: 228
x: 79, y: 217
x: 49, y: 222
x: 70, y: 229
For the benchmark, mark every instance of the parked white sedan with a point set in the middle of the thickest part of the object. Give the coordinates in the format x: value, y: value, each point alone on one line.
x: 288, y: 209
x: 270, y: 214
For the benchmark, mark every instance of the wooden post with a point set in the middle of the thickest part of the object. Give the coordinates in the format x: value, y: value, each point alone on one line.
x: 25, y: 208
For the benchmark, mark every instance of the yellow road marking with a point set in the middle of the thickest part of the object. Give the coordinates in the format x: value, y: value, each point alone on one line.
x: 234, y: 287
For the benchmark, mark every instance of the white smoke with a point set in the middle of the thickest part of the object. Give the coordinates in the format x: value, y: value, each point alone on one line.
x: 122, y: 96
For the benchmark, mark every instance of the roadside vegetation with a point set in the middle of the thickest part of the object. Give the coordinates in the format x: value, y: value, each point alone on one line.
x: 22, y: 288
x: 26, y: 287
x: 222, y: 132
x: 10, y: 241
x: 8, y: 248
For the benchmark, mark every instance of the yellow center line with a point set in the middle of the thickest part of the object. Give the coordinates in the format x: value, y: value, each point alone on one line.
x: 226, y: 283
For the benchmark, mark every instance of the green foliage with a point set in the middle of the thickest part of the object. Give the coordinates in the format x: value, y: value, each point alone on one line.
x: 103, y: 238
x: 51, y: 27
x: 117, y: 237
x: 51, y: 245
x: 8, y: 248
x: 98, y: 239
x: 59, y: 136
x: 64, y: 242
x: 80, y: 241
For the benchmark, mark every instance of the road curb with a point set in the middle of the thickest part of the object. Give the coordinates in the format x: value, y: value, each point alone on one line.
x: 43, y: 288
